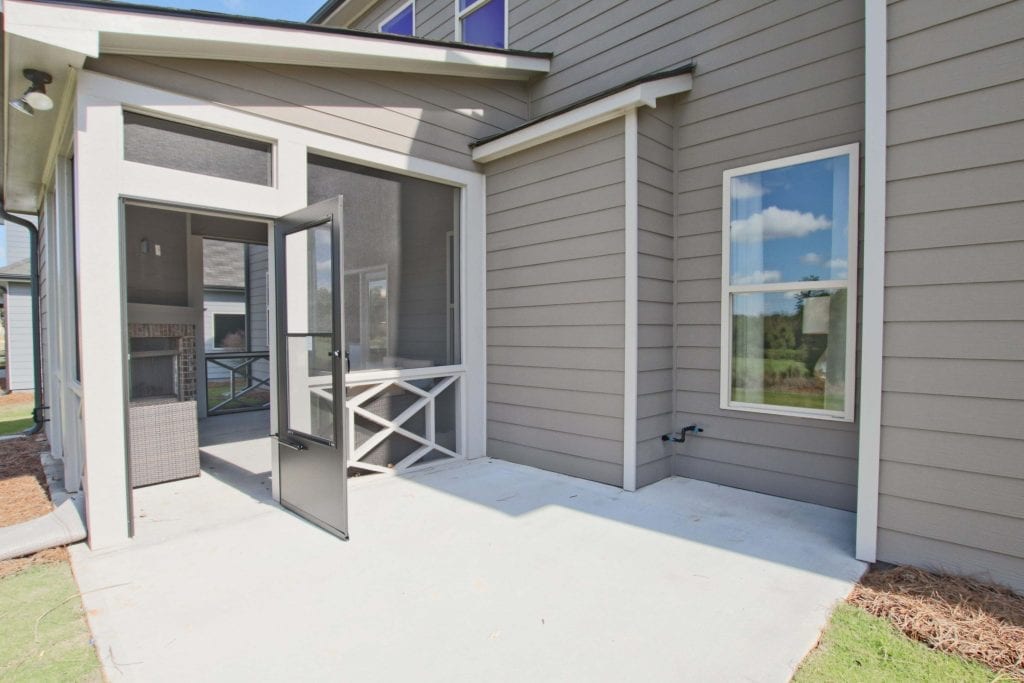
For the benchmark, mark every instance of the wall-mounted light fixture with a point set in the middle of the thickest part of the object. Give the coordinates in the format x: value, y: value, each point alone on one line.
x: 35, y: 98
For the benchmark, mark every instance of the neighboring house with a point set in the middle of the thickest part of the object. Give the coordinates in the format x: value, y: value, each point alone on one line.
x: 224, y: 318
x: 16, y: 288
x: 234, y: 301
x: 534, y: 229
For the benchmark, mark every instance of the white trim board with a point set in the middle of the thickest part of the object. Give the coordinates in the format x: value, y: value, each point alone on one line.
x: 873, y: 293
x: 93, y: 31
x: 630, y: 365
x: 590, y: 114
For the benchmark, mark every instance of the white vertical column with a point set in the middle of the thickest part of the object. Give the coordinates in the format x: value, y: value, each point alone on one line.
x: 472, y: 393
x: 629, y: 366
x: 873, y: 295
x: 102, y: 322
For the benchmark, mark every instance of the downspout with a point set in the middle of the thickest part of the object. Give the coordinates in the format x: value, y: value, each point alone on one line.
x: 37, y: 368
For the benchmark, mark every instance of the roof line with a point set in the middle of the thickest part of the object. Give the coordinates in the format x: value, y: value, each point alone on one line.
x: 656, y: 76
x: 326, y: 10
x: 204, y: 15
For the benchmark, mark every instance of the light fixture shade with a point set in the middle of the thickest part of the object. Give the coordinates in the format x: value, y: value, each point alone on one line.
x: 37, y: 98
x: 23, y: 106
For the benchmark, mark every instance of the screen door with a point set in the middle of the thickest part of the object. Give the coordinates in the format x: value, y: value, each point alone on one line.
x: 311, y: 368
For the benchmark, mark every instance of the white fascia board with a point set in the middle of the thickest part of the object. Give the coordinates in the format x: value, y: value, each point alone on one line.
x: 590, y: 114
x: 97, y: 31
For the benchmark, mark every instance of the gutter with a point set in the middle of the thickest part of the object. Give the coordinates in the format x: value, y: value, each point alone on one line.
x: 37, y: 370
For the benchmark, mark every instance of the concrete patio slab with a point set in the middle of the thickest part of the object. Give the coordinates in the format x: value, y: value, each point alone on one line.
x: 475, y: 571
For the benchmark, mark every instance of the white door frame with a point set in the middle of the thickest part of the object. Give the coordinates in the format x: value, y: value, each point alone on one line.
x: 105, y: 179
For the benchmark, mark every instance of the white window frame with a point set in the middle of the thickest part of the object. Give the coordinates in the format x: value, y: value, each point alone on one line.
x: 852, y: 151
x: 461, y: 14
x: 401, y: 8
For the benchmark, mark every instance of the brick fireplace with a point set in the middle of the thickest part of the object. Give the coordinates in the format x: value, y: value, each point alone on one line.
x: 159, y: 349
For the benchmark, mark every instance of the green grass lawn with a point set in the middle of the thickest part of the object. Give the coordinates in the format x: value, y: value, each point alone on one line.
x: 15, y: 417
x: 218, y: 391
x: 43, y: 633
x: 858, y: 647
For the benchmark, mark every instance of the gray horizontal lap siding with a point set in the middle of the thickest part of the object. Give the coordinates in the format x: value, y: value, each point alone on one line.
x: 952, y: 470
x: 600, y: 43
x: 555, y: 305
x: 781, y: 79
x: 430, y: 117
x: 20, y: 373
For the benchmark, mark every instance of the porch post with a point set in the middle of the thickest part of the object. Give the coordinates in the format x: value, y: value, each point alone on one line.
x: 102, y: 325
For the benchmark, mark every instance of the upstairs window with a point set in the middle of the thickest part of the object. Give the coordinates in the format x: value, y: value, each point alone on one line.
x: 401, y: 22
x: 789, y: 289
x: 482, y: 22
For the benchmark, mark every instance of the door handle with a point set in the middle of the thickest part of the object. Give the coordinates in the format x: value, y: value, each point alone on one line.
x: 295, y: 446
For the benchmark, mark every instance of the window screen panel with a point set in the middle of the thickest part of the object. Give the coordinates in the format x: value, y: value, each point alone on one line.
x: 401, y: 252
x: 169, y: 144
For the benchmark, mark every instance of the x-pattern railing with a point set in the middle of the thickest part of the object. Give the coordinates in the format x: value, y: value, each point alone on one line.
x: 425, y: 401
x: 242, y: 381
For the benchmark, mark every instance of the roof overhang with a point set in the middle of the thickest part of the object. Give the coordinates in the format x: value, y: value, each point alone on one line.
x: 92, y: 29
x: 605, y: 106
x: 58, y: 36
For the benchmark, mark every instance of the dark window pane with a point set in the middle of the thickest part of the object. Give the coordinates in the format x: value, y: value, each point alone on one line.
x: 485, y: 26
x: 149, y: 140
x: 401, y: 284
x: 229, y: 331
x: 400, y: 24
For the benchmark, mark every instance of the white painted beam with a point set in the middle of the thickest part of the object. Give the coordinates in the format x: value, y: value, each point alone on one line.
x: 630, y: 325
x: 873, y: 294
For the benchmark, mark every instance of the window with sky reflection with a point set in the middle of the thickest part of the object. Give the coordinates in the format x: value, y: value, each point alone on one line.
x: 788, y: 274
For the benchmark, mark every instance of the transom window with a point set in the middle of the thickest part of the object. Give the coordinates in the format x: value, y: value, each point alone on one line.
x: 789, y: 285
x: 401, y: 22
x: 182, y: 147
x: 482, y: 22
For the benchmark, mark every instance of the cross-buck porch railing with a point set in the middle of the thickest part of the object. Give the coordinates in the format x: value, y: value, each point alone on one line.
x: 237, y: 381
x: 425, y: 387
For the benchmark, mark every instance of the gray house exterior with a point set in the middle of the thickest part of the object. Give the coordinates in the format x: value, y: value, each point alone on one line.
x: 603, y: 232
x: 17, y: 302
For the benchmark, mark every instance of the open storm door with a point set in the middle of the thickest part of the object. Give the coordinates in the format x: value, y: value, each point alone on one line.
x: 311, y: 367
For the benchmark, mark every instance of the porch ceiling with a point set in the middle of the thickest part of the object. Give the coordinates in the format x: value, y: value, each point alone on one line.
x: 29, y: 141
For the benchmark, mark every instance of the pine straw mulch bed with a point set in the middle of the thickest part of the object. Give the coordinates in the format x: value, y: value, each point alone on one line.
x: 953, y: 614
x: 24, y: 495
